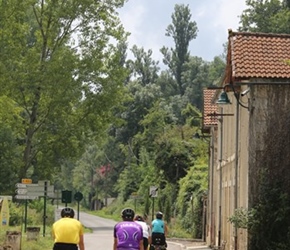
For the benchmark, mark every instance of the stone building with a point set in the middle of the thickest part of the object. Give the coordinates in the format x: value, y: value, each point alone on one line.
x: 255, y: 91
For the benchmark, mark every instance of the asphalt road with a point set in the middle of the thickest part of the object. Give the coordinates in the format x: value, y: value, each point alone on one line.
x: 102, y: 235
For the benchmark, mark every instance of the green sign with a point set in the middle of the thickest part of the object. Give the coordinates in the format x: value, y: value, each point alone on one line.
x: 78, y: 196
x: 66, y: 196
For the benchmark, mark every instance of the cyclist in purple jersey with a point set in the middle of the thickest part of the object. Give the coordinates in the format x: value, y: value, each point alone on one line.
x: 128, y: 235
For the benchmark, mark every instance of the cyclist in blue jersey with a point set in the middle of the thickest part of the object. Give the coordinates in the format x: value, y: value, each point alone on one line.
x: 128, y: 235
x: 159, y: 230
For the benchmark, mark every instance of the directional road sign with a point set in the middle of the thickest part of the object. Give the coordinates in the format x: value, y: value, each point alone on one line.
x: 20, y: 185
x: 33, y: 190
x: 39, y: 189
x: 42, y: 183
x: 21, y: 191
x: 25, y: 197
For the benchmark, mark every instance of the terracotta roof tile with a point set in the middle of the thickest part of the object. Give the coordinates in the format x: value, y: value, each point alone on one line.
x: 259, y: 55
x: 209, y: 107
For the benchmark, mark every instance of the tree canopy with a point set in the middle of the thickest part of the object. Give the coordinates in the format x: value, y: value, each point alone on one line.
x: 59, y: 67
x: 269, y: 16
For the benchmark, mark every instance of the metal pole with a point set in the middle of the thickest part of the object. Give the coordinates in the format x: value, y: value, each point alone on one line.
x: 221, y: 178
x: 25, y: 215
x: 92, y: 189
x: 78, y: 210
x: 236, y: 169
x: 44, y: 207
x: 153, y: 209
x: 203, y: 218
x: 211, y: 192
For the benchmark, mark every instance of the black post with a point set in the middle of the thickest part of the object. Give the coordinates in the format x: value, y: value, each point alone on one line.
x: 152, y: 208
x: 78, y: 210
x: 25, y: 216
x: 44, y: 207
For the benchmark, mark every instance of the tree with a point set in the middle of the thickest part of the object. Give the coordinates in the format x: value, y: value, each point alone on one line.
x: 216, y: 69
x: 143, y: 68
x: 269, y: 16
x: 174, y: 152
x: 182, y: 30
x: 58, y: 65
x: 196, y: 78
x: 142, y: 90
x: 11, y: 143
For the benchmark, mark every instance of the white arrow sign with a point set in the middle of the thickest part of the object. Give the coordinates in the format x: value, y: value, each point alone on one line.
x: 40, y: 194
x: 21, y: 191
x: 20, y: 185
x: 39, y: 189
x: 36, y: 190
x: 25, y: 197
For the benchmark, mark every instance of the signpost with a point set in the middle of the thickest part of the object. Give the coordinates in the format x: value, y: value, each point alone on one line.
x: 33, y: 191
x: 153, y: 192
x: 26, y: 190
x: 78, y: 197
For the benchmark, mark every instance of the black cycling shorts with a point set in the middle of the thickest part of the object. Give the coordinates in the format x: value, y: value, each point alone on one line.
x: 158, y: 239
x: 64, y: 246
x: 145, y: 243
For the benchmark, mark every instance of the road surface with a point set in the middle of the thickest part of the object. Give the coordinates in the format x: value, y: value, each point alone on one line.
x: 102, y: 235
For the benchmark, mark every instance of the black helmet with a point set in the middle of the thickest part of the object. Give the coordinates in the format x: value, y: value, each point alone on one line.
x: 67, y: 212
x: 159, y: 215
x: 128, y: 214
x: 139, y: 218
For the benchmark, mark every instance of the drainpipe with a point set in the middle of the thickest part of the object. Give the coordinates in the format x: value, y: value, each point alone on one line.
x: 236, y: 168
x: 221, y: 178
x: 211, y: 187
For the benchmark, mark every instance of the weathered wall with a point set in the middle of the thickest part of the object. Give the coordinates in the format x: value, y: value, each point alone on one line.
x: 269, y: 102
x: 269, y: 153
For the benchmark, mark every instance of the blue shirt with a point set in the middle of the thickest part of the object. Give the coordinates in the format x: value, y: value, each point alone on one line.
x: 158, y: 226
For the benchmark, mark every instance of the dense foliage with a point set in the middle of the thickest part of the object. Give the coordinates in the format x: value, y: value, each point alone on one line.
x: 57, y: 68
x: 81, y: 114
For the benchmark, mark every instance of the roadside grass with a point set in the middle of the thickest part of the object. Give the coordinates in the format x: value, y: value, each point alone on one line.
x: 40, y: 242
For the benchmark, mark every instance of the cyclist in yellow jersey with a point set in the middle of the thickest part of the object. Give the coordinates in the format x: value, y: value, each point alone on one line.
x: 68, y: 232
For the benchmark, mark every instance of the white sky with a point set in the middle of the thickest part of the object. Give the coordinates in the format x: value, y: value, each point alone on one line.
x: 147, y: 21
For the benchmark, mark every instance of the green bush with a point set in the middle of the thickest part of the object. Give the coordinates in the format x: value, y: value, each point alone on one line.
x: 16, y: 214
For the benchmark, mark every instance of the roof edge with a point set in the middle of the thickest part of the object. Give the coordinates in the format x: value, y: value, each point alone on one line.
x: 261, y: 34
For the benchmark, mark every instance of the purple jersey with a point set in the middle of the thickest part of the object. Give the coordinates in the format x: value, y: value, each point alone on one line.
x: 128, y: 234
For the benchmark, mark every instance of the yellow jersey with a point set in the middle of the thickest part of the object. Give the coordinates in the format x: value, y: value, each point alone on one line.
x: 67, y: 230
